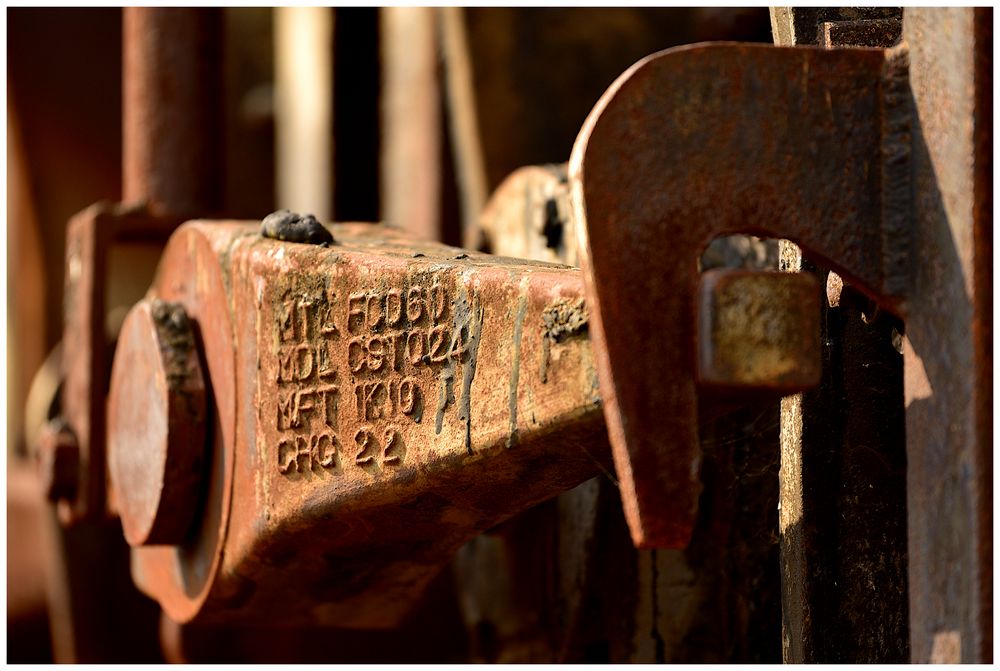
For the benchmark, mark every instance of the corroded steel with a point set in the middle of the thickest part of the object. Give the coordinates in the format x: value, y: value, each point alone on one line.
x: 697, y: 142
x: 85, y: 355
x: 948, y: 344
x: 375, y: 404
x: 843, y: 450
x: 172, y: 108
x: 156, y: 424
x: 758, y: 331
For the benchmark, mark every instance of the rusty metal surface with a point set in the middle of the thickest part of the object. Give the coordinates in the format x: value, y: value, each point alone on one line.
x: 412, y: 120
x: 156, y: 424
x: 697, y: 142
x: 843, y: 451
x: 172, y: 108
x: 758, y: 331
x: 589, y: 596
x: 843, y: 498
x: 948, y: 340
x: 170, y: 66
x: 380, y: 402
x: 86, y: 353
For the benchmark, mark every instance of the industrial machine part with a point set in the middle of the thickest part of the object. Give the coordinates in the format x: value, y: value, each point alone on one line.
x: 695, y: 143
x: 363, y: 407
x: 374, y: 404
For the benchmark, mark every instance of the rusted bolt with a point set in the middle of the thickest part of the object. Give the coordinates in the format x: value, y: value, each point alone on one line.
x: 758, y: 331
x: 58, y: 461
x: 156, y: 424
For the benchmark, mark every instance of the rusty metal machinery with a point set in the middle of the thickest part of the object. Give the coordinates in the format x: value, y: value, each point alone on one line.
x: 374, y: 404
x: 304, y: 421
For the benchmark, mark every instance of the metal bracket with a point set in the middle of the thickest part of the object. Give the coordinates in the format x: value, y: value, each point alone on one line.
x: 707, y: 140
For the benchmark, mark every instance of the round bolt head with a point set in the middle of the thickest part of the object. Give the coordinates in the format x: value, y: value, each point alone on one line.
x: 156, y: 424
x: 58, y: 461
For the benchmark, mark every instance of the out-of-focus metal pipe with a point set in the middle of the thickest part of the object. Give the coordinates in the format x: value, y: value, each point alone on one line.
x: 411, y: 120
x: 303, y: 55
x: 172, y: 108
x: 469, y: 162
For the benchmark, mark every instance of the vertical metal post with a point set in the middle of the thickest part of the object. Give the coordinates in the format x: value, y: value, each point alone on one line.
x: 470, y: 164
x: 172, y: 114
x: 843, y: 450
x: 948, y: 342
x: 411, y: 120
x: 303, y: 57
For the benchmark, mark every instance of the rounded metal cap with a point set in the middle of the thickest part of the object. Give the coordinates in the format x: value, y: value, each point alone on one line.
x: 156, y: 424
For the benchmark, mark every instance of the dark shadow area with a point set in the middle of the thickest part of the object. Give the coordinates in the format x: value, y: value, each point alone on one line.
x: 434, y: 633
x: 356, y: 135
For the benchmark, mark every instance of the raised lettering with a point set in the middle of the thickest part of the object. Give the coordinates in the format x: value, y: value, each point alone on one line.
x: 327, y: 326
x: 439, y: 343
x: 287, y: 417
x: 438, y: 301
x: 368, y: 447
x: 392, y: 453
x: 355, y: 312
x: 376, y: 350
x: 414, y: 305
x: 329, y: 396
x: 394, y: 307
x: 356, y: 355
x: 305, y: 332
x: 324, y: 364
x: 325, y: 456
x: 374, y: 317
x: 286, y: 455
x: 304, y: 362
x: 286, y: 322
x: 416, y: 346
x: 409, y: 395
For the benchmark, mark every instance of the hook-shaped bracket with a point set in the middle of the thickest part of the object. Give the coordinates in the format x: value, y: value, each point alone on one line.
x: 701, y: 141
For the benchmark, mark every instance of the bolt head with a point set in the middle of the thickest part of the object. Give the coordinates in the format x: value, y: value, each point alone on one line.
x: 758, y: 331
x: 156, y: 424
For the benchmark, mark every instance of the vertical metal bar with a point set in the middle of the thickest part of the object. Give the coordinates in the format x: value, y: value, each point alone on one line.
x: 173, y: 109
x: 843, y: 450
x: 26, y: 295
x: 411, y: 120
x: 470, y: 163
x: 303, y: 38
x: 948, y: 330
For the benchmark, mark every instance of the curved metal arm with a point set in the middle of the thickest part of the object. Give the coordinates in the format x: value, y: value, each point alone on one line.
x: 707, y: 140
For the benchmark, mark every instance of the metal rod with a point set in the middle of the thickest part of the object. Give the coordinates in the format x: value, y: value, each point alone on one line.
x: 172, y: 108
x: 469, y: 161
x: 411, y: 120
x: 303, y: 55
